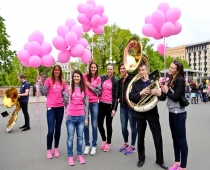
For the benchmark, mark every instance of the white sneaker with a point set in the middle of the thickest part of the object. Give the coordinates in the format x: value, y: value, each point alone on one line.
x: 87, y: 150
x: 93, y: 151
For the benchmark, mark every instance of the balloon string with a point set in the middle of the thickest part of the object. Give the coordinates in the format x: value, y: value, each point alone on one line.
x: 164, y: 57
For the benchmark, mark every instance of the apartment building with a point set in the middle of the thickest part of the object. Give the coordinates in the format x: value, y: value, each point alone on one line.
x: 179, y: 51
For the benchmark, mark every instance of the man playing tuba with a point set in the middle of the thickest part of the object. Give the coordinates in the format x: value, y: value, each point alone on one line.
x: 140, y: 89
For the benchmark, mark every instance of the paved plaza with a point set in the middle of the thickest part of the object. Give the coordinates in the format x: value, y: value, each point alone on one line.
x: 27, y: 150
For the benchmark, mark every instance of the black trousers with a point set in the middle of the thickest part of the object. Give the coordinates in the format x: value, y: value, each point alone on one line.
x: 24, y: 107
x: 154, y: 124
x: 105, y: 111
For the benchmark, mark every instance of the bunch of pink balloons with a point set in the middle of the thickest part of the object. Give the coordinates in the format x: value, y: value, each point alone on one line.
x: 36, y: 52
x: 163, y: 22
x: 70, y: 42
x: 91, y: 17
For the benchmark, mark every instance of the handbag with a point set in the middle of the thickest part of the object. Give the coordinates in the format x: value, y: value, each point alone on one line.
x: 184, y: 101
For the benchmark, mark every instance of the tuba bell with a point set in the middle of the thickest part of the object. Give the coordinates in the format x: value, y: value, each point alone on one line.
x: 10, y: 99
x: 133, y: 57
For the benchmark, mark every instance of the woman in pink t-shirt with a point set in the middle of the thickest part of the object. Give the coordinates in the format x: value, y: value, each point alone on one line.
x: 76, y: 118
x: 53, y: 87
x: 107, y: 106
x: 93, y: 88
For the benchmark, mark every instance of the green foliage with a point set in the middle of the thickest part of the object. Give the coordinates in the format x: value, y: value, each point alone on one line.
x: 6, y: 55
x: 11, y: 79
x: 45, y: 70
x: 170, y: 59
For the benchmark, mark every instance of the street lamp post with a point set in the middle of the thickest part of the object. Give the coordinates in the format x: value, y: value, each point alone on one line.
x: 110, y: 58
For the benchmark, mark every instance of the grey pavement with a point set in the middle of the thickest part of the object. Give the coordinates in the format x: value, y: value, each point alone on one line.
x: 27, y: 150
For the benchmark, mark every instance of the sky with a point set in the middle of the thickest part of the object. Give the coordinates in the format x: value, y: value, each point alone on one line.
x: 22, y: 17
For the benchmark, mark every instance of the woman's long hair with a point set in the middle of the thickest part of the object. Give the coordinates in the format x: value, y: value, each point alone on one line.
x: 81, y: 84
x: 180, y: 73
x: 60, y: 76
x: 89, y: 75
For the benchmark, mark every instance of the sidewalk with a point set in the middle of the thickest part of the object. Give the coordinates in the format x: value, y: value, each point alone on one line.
x: 32, y: 99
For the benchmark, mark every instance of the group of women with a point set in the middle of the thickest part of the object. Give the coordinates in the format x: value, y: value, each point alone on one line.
x: 97, y: 97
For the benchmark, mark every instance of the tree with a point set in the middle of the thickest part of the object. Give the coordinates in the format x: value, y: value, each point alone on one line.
x: 170, y: 59
x: 101, y: 45
x: 6, y: 55
x: 17, y: 68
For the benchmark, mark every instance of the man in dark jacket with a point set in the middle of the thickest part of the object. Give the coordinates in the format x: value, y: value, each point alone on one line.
x: 126, y: 113
x: 139, y: 89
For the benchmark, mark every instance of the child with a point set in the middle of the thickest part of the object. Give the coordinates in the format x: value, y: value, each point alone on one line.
x: 76, y: 116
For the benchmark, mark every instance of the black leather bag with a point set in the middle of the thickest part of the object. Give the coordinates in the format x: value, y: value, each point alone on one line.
x: 184, y: 101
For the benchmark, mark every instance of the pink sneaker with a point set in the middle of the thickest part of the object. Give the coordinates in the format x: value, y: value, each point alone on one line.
x: 175, y: 166
x: 71, y: 160
x: 56, y: 153
x: 81, y: 159
x: 103, y: 145
x: 107, y: 147
x: 49, y: 154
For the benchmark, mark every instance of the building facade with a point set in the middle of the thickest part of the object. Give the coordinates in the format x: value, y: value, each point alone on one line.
x: 179, y: 51
x: 197, y: 55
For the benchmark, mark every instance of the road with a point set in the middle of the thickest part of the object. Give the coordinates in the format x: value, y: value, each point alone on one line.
x: 27, y: 150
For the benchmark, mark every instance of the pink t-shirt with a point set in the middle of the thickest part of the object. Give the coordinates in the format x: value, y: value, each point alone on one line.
x: 54, y: 95
x: 94, y: 83
x: 76, y: 106
x: 106, y: 94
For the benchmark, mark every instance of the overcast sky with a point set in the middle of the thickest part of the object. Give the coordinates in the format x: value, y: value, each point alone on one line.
x: 25, y: 16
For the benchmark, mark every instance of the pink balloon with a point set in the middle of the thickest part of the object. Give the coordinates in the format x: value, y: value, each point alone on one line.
x: 81, y: 8
x: 173, y: 14
x: 96, y: 20
x: 23, y: 55
x: 26, y: 46
x: 25, y: 64
x: 48, y: 60
x: 34, y: 48
x: 62, y: 30
x: 104, y: 19
x: 46, y: 49
x: 167, y: 29
x: 164, y: 7
x: 36, y: 36
x: 86, y: 56
x: 161, y: 49
x: 64, y: 56
x: 157, y: 36
x: 70, y: 23
x: 77, y: 51
x: 77, y: 29
x: 158, y: 18
x: 35, y: 61
x: 71, y: 39
x: 59, y: 43
x: 89, y: 10
x: 177, y: 28
x: 86, y: 28
x: 99, y: 9
x: 149, y: 30
x: 98, y: 30
x: 92, y: 2
x: 83, y: 19
x: 83, y: 42
x: 148, y: 19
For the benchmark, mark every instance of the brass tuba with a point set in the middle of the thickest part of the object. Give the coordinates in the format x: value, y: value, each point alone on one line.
x: 10, y: 99
x: 133, y: 57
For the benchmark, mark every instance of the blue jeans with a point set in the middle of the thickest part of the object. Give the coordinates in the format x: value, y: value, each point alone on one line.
x: 93, y: 110
x: 54, y: 122
x: 75, y: 122
x: 178, y: 131
x: 204, y: 96
x: 187, y: 95
x: 126, y: 113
